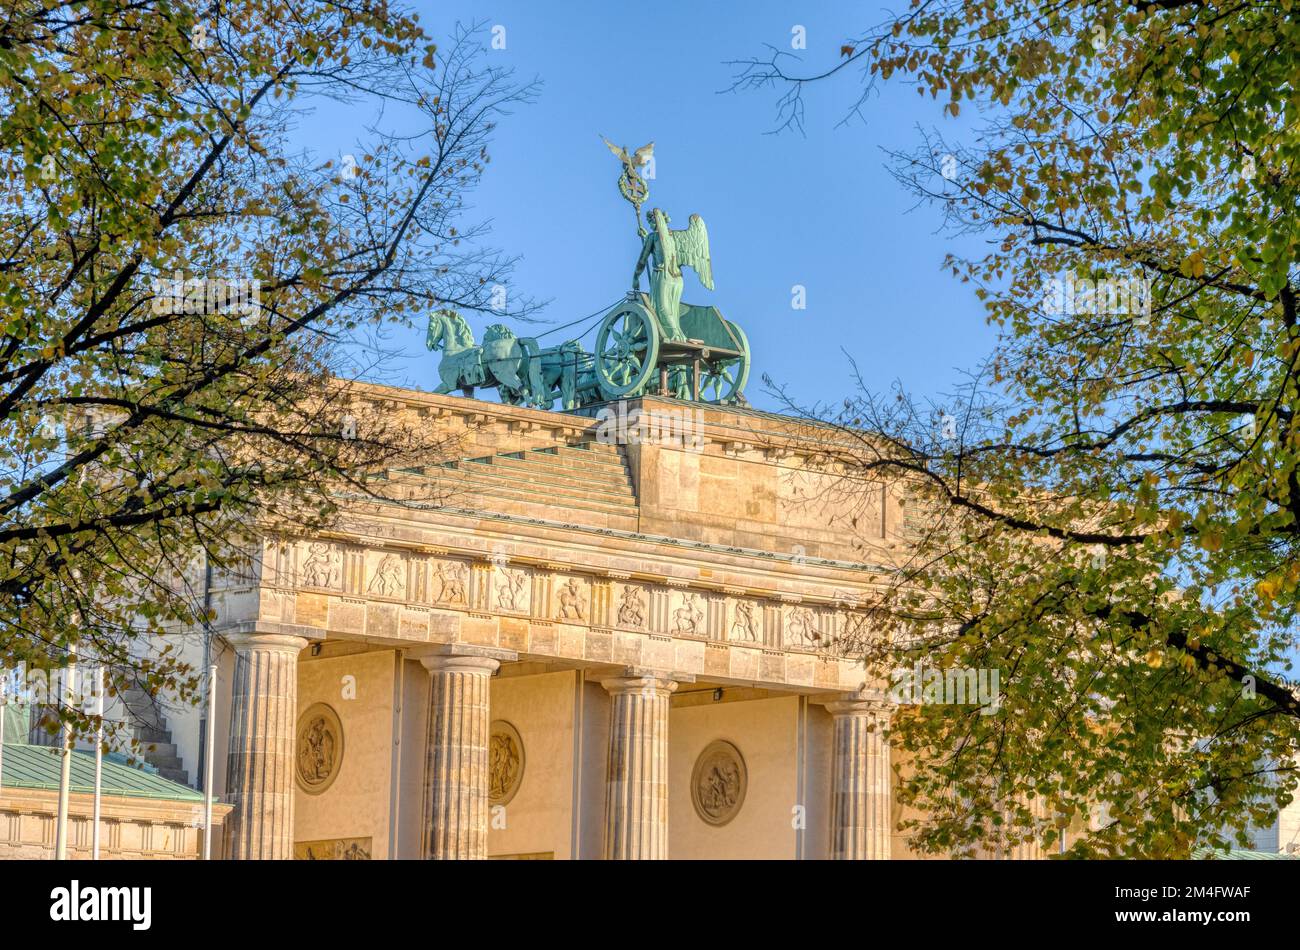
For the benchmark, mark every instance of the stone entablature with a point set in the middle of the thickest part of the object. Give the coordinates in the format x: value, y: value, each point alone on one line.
x: 548, y: 591
x: 131, y: 828
x: 321, y: 588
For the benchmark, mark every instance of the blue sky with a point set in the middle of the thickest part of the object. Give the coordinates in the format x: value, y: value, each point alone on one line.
x: 818, y: 210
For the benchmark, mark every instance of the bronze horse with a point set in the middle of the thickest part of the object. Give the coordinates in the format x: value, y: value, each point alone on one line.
x: 522, y: 372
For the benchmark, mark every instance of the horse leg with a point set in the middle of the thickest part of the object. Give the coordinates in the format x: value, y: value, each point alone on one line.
x: 569, y: 381
x: 530, y: 365
x: 506, y: 373
x: 448, y: 382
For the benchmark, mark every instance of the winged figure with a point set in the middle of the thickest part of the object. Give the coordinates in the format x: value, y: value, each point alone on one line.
x: 631, y: 163
x: 630, y: 183
x: 670, y: 251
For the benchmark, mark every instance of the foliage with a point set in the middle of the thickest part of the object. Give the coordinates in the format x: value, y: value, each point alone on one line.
x: 1108, y: 513
x: 153, y: 420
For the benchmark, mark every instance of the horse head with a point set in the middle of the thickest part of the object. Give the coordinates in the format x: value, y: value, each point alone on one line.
x: 498, y: 331
x: 447, y: 328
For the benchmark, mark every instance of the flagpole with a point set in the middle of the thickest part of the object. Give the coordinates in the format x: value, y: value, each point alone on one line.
x: 99, y: 760
x: 65, y: 766
x: 207, y: 763
x: 4, y: 709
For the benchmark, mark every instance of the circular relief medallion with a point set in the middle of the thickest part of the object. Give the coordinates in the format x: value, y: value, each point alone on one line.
x: 719, y: 782
x: 505, y: 762
x: 320, y: 748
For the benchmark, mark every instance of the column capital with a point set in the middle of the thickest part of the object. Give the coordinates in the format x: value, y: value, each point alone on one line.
x: 463, y: 657
x: 635, y: 680
x: 870, y: 703
x: 276, y: 642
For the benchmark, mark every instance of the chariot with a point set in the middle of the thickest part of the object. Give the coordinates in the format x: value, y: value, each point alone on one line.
x: 635, y: 357
x: 647, y: 344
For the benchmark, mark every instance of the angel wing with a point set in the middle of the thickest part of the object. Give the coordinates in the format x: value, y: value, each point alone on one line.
x: 692, y: 247
x: 619, y: 153
x: 643, y: 154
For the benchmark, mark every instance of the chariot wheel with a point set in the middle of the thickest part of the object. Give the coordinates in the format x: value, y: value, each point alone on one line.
x: 627, y: 350
x: 726, y: 378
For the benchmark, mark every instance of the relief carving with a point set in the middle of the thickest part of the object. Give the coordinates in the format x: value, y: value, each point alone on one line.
x: 511, y: 590
x: 854, y: 631
x: 745, y: 623
x: 333, y: 849
x: 323, y: 566
x: 320, y: 748
x: 505, y: 762
x: 719, y: 782
x: 631, y: 609
x: 389, y: 579
x: 571, y: 602
x: 689, y: 617
x: 450, y: 578
x: 801, y: 628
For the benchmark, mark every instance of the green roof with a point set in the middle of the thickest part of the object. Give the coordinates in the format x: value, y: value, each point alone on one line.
x: 35, y: 766
x: 1240, y: 854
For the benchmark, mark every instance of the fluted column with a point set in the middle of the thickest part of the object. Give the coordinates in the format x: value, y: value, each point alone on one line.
x: 456, y: 770
x: 861, y: 819
x: 636, y: 801
x: 259, y: 769
x: 1030, y: 849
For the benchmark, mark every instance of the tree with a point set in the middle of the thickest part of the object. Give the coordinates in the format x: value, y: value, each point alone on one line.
x: 182, y: 289
x: 1107, y: 512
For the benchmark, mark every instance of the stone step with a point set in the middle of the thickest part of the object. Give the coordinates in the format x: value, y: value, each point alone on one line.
x: 585, y: 484
x: 597, y: 457
x: 175, y: 775
x: 155, y: 725
x: 623, y: 520
x: 161, y: 748
x: 591, y: 447
x: 484, y: 493
x: 153, y: 734
x: 555, y: 465
x: 149, y: 724
x: 608, y: 478
x: 492, y: 498
x: 563, y: 456
x: 489, y: 475
x: 148, y: 720
x: 541, y: 467
x: 478, y: 488
x: 139, y: 703
x: 495, y: 474
x: 161, y: 762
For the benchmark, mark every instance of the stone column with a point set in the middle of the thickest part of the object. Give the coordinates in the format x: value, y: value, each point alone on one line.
x: 861, y: 800
x: 636, y: 798
x: 456, y: 769
x: 1032, y: 848
x: 260, y: 764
